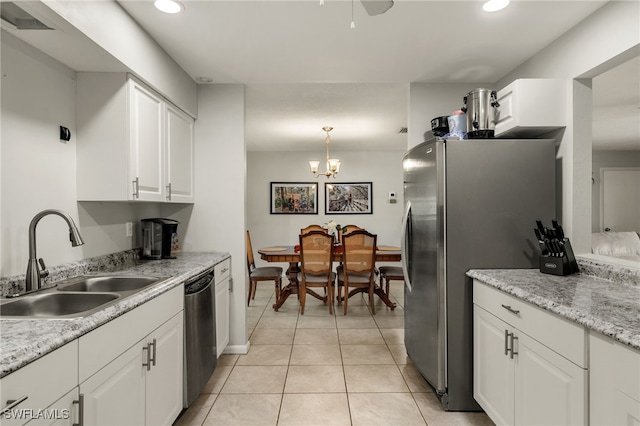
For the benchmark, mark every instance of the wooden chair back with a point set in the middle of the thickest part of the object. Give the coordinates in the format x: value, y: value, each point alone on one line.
x: 316, y: 253
x: 251, y: 263
x: 359, y: 253
x: 311, y: 228
x: 347, y: 229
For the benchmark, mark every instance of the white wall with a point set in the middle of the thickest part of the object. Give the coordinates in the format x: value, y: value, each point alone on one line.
x: 431, y: 100
x: 218, y: 219
x: 39, y: 172
x: 382, y: 168
x: 608, y: 37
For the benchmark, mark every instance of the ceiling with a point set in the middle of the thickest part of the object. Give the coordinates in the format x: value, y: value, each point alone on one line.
x: 304, y: 68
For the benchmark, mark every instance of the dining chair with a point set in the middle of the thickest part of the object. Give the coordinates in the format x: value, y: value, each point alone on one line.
x: 347, y: 229
x: 390, y: 273
x: 311, y: 228
x: 262, y: 273
x: 316, y: 266
x: 357, y: 272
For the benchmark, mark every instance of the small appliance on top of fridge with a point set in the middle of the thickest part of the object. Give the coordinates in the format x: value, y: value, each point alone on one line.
x: 159, y: 238
x: 470, y: 204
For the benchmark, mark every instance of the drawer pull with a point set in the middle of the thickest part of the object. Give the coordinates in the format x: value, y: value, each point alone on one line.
x: 148, y: 363
x: 506, y: 342
x: 153, y: 357
x: 510, y: 309
x: 12, y: 403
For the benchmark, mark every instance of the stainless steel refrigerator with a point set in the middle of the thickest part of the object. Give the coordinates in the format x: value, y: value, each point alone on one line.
x: 469, y: 204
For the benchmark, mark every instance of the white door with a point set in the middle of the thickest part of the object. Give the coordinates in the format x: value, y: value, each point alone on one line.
x: 620, y: 199
x: 180, y: 170
x: 164, y: 398
x: 549, y: 389
x: 147, y: 143
x: 222, y: 315
x: 115, y: 395
x: 493, y: 371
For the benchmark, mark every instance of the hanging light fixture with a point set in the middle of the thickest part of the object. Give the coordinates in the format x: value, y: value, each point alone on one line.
x: 333, y: 164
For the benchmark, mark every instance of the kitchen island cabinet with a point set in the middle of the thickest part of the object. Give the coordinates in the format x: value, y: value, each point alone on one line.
x: 518, y: 378
x: 132, y: 144
x: 614, y: 382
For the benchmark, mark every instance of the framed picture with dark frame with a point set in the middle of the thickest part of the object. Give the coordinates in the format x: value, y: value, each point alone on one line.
x: 294, y: 198
x: 348, y: 198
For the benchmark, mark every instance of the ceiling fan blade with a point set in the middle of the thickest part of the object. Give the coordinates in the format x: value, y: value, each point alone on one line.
x: 376, y: 7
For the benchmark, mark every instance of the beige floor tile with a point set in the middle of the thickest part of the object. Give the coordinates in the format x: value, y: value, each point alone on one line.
x: 217, y: 379
x: 366, y: 354
x: 252, y: 322
x: 228, y: 359
x: 374, y: 378
x: 414, y: 379
x: 245, y: 410
x: 316, y: 355
x: 432, y: 410
x: 272, y: 336
x: 266, y: 355
x: 316, y: 336
x: 393, y: 336
x: 254, y: 310
x: 360, y: 336
x: 393, y: 322
x: 290, y: 308
x: 315, y: 379
x: 316, y: 308
x: 315, y: 410
x: 255, y: 379
x: 354, y: 310
x: 384, y: 409
x: 399, y: 354
x: 277, y: 322
x: 355, y: 321
x: 316, y: 321
x: 197, y: 412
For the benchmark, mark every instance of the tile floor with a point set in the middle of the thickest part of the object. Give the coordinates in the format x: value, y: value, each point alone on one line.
x: 318, y: 369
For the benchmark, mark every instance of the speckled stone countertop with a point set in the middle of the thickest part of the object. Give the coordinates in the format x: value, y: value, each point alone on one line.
x: 609, y: 307
x: 25, y: 340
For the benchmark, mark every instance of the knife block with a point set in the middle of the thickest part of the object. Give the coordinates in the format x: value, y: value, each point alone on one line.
x: 565, y: 265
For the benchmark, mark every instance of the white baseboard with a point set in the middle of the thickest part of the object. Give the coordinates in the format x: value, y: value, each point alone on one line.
x: 237, y: 349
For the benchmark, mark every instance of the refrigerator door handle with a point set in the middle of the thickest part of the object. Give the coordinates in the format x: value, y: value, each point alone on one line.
x: 406, y: 245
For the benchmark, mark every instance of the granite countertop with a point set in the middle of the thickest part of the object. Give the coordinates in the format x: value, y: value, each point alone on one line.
x: 606, y: 306
x: 25, y: 340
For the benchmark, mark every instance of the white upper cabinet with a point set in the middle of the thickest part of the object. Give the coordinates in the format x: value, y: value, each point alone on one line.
x: 132, y: 145
x: 531, y: 107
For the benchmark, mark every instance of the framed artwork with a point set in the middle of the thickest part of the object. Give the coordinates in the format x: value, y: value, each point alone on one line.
x: 294, y: 198
x: 348, y: 198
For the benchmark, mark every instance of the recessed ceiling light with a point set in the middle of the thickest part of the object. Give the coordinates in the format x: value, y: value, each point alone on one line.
x: 495, y: 5
x: 169, y: 6
x: 205, y: 80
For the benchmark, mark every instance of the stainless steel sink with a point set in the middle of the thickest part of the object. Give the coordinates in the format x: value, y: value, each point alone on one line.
x: 56, y: 304
x: 109, y: 283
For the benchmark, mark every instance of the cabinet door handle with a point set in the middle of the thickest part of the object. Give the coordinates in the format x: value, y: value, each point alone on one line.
x: 510, y: 309
x: 148, y: 363
x: 506, y: 342
x: 513, y: 348
x: 80, y: 402
x: 153, y: 357
x: 12, y: 403
x: 136, y: 187
x: 169, y: 192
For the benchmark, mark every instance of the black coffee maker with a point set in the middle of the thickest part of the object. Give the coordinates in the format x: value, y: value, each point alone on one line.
x: 159, y: 238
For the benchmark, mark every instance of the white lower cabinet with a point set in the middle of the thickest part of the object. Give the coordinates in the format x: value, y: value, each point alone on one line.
x: 36, y: 389
x: 222, y: 274
x: 614, y: 382
x: 518, y: 378
x: 143, y: 386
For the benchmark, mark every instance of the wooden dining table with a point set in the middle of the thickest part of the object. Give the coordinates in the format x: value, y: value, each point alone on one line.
x: 289, y: 254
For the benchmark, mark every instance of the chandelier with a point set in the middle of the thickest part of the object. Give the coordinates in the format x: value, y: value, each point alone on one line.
x: 333, y: 164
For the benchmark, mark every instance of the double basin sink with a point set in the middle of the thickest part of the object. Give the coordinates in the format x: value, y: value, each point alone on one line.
x: 76, y: 297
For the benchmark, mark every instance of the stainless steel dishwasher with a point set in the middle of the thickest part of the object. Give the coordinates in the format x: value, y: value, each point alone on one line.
x: 200, y: 334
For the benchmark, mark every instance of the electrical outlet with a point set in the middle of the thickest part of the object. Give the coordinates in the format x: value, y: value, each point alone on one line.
x: 129, y: 228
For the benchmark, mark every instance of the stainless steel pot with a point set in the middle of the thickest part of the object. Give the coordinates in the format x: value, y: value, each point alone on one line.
x: 480, y: 106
